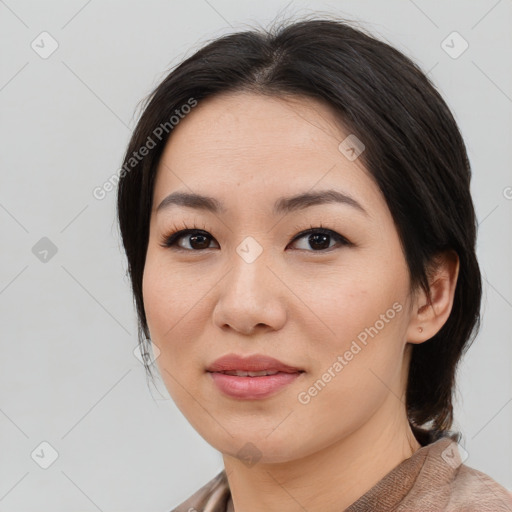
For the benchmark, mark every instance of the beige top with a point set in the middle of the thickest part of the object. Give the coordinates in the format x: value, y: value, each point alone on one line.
x: 433, y: 479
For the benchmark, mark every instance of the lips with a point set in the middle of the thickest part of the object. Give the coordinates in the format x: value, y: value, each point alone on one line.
x: 250, y: 366
x: 254, y: 377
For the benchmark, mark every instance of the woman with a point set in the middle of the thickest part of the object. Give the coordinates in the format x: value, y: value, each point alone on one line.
x: 296, y: 212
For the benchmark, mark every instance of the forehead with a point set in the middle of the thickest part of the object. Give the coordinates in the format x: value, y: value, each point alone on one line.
x: 262, y: 147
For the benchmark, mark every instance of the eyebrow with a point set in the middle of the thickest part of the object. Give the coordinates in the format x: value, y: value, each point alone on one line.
x: 281, y: 206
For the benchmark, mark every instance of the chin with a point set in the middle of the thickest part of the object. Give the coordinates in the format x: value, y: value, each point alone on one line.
x: 257, y: 448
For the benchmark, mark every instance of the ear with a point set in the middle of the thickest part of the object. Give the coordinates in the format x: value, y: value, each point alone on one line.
x: 427, y: 317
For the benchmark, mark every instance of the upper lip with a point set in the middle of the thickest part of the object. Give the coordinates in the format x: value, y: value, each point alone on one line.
x: 253, y: 363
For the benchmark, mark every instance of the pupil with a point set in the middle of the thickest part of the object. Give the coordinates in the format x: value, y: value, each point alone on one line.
x: 317, y: 237
x: 194, y: 238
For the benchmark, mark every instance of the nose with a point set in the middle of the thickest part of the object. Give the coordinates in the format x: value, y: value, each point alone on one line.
x: 250, y: 297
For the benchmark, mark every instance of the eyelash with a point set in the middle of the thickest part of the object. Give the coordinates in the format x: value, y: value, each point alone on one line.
x: 169, y: 240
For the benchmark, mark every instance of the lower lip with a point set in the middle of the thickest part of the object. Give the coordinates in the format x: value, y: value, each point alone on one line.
x: 252, y: 387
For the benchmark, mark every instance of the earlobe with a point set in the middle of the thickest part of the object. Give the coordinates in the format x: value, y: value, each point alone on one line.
x: 429, y: 316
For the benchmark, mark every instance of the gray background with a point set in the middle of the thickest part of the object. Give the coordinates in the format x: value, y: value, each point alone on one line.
x: 68, y: 374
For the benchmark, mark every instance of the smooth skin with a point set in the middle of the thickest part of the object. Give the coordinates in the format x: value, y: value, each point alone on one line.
x: 299, y: 301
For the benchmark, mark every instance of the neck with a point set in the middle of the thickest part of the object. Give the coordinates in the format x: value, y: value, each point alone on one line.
x: 330, y: 479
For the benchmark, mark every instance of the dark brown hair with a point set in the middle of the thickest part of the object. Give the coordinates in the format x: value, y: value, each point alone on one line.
x: 413, y: 150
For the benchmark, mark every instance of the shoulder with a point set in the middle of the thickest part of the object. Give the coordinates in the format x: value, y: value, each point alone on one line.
x: 443, y: 482
x: 447, y: 481
x: 212, y: 496
x: 472, y: 490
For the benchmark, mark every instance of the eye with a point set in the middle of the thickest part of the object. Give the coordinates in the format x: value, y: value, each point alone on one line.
x: 193, y: 239
x: 197, y: 240
x: 320, y: 239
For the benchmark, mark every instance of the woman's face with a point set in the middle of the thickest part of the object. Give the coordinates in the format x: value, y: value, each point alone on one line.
x: 334, y: 308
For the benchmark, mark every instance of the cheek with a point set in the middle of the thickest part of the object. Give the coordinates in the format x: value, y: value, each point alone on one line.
x: 163, y: 309
x: 354, y: 372
x: 364, y: 322
x: 167, y: 298
x: 166, y: 306
x: 175, y: 317
x: 345, y: 303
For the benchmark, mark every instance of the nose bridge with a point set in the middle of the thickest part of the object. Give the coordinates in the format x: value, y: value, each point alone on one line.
x: 250, y: 262
x: 249, y: 250
x: 251, y: 282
